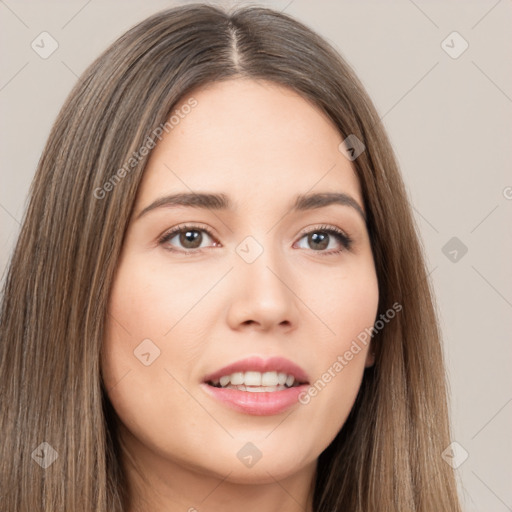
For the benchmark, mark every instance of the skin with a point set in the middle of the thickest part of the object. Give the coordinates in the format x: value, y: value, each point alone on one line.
x: 261, y: 144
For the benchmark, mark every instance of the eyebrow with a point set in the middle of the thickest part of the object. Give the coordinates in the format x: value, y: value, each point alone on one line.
x: 209, y: 201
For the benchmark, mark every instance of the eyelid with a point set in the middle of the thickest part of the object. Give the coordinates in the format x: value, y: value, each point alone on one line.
x: 323, y: 227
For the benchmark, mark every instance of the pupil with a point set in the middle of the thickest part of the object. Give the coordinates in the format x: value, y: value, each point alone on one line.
x: 323, y: 238
x: 188, y: 238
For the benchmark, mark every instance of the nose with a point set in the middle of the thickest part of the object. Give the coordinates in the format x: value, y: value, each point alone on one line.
x: 264, y: 295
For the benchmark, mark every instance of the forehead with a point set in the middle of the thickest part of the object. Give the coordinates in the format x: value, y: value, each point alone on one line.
x: 254, y: 140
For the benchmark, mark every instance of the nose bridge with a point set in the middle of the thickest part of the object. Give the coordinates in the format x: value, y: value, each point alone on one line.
x: 259, y: 260
x: 264, y: 279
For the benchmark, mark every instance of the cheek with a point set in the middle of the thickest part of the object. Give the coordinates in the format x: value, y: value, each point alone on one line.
x: 349, y: 308
x: 140, y: 301
x: 149, y: 301
x: 345, y: 299
x: 141, y: 366
x: 355, y: 301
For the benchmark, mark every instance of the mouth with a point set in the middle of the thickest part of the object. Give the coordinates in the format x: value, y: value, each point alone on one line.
x: 257, y: 386
x: 256, y: 382
x: 254, y: 373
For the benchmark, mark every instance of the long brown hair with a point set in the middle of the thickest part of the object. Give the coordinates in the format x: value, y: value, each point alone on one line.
x: 387, y: 456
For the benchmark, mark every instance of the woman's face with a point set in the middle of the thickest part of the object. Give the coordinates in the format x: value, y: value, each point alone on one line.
x: 257, y: 278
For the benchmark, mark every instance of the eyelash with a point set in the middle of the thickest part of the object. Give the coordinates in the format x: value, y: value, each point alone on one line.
x: 342, y: 237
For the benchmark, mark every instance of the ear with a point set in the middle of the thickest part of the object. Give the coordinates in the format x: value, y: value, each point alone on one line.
x: 370, y: 357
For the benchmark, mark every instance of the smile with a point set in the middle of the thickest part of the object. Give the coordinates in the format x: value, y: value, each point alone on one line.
x: 257, y: 386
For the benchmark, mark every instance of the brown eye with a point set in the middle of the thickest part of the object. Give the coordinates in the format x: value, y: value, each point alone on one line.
x: 188, y: 238
x: 319, y: 239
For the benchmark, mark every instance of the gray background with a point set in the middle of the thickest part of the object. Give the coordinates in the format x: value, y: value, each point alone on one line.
x: 449, y: 120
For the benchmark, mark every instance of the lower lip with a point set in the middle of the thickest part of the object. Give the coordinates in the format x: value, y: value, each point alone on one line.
x: 257, y: 404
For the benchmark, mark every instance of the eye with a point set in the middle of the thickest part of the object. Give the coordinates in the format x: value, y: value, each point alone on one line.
x: 321, y: 237
x: 188, y: 235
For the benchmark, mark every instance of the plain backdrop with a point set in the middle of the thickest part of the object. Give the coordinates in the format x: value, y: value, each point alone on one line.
x: 449, y: 116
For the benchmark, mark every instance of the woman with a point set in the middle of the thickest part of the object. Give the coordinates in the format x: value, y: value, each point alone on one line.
x: 218, y: 297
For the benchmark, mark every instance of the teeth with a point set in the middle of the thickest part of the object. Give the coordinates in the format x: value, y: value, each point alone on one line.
x: 252, y: 379
x: 258, y: 381
x: 269, y: 379
x: 257, y: 389
x: 281, y: 377
x: 236, y: 378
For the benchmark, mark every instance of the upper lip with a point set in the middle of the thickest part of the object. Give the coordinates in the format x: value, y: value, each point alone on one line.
x: 258, y: 364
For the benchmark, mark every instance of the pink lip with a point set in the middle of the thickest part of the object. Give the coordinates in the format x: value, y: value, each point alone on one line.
x: 259, y: 404
x: 257, y: 364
